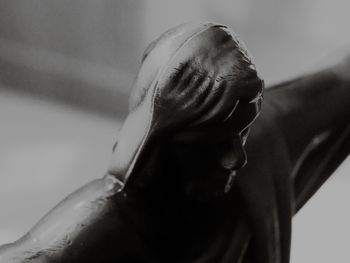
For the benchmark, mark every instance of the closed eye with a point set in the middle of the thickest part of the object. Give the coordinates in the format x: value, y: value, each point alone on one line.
x: 203, y: 138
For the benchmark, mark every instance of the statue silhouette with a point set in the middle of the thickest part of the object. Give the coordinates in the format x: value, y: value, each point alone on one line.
x: 196, y: 175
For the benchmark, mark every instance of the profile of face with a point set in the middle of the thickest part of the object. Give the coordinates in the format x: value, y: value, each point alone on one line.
x: 208, y: 157
x: 200, y: 161
x: 198, y: 91
x: 207, y: 160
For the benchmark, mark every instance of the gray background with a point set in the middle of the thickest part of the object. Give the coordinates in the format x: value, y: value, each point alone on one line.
x: 66, y: 68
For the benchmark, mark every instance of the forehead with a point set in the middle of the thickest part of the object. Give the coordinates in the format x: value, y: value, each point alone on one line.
x: 237, y: 124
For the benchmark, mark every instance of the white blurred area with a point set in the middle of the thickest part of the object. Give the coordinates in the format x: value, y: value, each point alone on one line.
x: 54, y: 137
x: 47, y: 151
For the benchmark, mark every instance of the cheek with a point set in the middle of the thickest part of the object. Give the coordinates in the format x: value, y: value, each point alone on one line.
x: 186, y: 157
x: 197, y: 161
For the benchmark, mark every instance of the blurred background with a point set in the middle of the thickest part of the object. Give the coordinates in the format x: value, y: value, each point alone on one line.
x: 66, y: 69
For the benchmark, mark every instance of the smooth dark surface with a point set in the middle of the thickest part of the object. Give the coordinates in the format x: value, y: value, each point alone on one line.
x: 186, y: 216
x: 283, y: 170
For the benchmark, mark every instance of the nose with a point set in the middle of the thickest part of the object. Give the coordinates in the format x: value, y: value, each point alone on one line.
x: 233, y: 156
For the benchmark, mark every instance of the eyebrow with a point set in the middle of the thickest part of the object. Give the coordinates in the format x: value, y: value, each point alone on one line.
x: 211, y: 135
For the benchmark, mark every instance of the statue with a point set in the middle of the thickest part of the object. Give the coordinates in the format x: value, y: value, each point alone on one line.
x: 196, y: 175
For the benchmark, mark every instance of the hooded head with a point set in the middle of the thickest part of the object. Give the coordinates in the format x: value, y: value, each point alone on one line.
x: 192, y: 78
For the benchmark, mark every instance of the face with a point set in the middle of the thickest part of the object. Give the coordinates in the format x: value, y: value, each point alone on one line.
x: 206, y: 160
x: 193, y: 75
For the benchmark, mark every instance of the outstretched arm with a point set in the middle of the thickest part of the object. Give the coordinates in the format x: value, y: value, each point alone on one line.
x: 99, y: 223
x: 93, y: 224
x: 300, y: 138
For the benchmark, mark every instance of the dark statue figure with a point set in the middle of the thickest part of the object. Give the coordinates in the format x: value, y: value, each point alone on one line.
x: 196, y: 175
